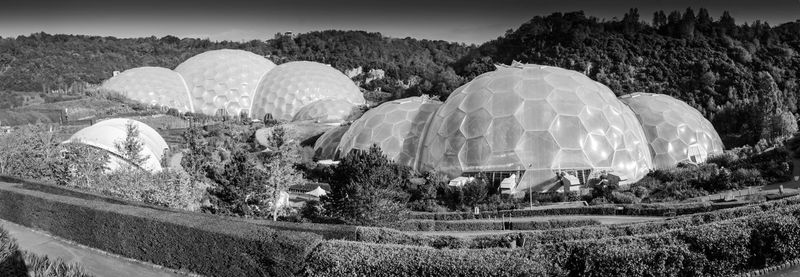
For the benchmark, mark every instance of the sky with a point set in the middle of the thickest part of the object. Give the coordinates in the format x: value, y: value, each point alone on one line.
x: 467, y: 21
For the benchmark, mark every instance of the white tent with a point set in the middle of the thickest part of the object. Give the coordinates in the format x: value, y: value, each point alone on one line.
x: 460, y: 181
x: 317, y: 192
x: 509, y: 183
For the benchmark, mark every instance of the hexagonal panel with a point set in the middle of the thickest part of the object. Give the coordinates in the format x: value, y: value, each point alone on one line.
x: 537, y: 149
x: 568, y: 132
x: 504, y: 134
x: 566, y: 102
x: 536, y: 115
x: 505, y: 104
x: 476, y: 123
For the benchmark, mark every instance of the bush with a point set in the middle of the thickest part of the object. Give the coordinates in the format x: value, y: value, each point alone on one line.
x: 726, y: 246
x: 343, y: 258
x: 14, y: 262
x: 775, y: 239
x: 368, y: 189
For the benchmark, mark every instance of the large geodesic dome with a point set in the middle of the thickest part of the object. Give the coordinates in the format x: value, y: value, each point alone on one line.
x: 675, y: 131
x: 293, y: 85
x: 153, y: 86
x: 326, y: 144
x: 397, y: 127
x: 223, y: 79
x: 536, y: 121
x: 325, y: 110
x: 108, y: 133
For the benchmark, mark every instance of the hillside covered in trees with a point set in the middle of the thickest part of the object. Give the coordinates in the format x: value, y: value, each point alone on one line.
x: 743, y: 76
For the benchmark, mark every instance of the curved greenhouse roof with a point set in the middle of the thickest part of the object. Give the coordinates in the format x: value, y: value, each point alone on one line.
x: 325, y: 110
x: 397, y: 127
x: 291, y: 86
x: 536, y: 119
x: 153, y: 86
x: 675, y: 131
x: 223, y: 79
x: 326, y: 144
x: 106, y: 134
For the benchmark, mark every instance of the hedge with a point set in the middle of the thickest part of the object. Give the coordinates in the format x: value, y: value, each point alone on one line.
x: 433, y: 225
x: 204, y: 244
x: 627, y: 209
x: 716, y: 249
x: 345, y: 258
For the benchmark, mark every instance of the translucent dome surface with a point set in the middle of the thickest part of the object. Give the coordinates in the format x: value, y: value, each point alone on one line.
x: 152, y: 86
x: 223, y: 79
x: 106, y: 134
x: 325, y: 147
x: 539, y: 120
x: 325, y: 110
x: 291, y: 86
x: 675, y: 131
x: 396, y: 126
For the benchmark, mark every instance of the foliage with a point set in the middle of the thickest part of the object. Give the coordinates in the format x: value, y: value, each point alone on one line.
x: 16, y: 262
x: 368, y: 189
x: 131, y: 146
x: 342, y: 258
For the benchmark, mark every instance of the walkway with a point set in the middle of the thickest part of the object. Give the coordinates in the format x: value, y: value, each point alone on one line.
x: 93, y: 261
x: 604, y: 219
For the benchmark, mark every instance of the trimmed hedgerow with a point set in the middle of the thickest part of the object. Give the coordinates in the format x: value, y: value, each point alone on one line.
x: 345, y: 258
x: 204, y: 244
x: 432, y: 225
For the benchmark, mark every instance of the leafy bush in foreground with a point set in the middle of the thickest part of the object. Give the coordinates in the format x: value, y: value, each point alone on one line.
x: 14, y: 262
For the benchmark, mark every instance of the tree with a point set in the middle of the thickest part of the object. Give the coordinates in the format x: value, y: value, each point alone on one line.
x: 368, y: 189
x: 131, y: 146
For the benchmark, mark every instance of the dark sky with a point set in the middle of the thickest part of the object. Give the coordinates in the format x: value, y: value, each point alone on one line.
x: 463, y: 21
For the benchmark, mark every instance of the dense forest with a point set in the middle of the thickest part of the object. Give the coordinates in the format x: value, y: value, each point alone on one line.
x: 744, y: 77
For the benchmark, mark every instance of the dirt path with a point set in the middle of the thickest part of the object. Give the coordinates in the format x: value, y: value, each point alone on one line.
x: 604, y: 219
x: 93, y: 261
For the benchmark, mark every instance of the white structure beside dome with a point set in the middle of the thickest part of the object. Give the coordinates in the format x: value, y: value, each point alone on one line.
x: 107, y: 134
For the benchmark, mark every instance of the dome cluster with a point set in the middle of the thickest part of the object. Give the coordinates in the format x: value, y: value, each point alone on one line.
x: 532, y: 120
x: 237, y: 81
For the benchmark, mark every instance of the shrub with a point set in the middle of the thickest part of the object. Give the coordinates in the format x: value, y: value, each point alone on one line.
x: 368, y: 189
x: 775, y: 239
x: 343, y: 258
x: 726, y: 246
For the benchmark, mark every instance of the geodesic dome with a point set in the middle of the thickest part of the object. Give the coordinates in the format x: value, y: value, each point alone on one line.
x: 325, y: 110
x: 536, y: 120
x: 106, y: 134
x: 152, y: 86
x: 326, y: 144
x: 397, y: 127
x: 675, y: 131
x: 223, y: 79
x: 291, y: 86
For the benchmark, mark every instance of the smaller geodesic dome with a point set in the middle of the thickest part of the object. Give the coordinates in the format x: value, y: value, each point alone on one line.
x: 106, y: 134
x: 397, y: 127
x: 675, y: 131
x: 325, y: 110
x: 152, y: 86
x: 291, y: 86
x: 326, y: 144
x: 223, y: 79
